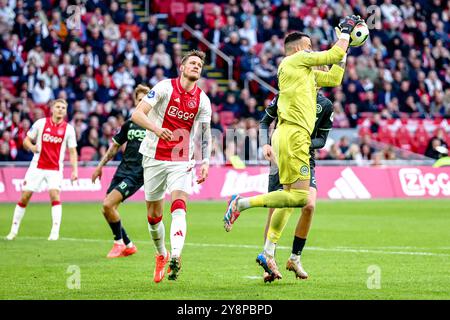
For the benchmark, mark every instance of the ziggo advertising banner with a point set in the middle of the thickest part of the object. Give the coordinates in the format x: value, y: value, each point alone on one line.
x: 333, y: 183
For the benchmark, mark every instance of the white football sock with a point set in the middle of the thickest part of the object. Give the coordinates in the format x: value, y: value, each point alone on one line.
x: 178, y: 231
x: 56, y: 217
x: 19, y: 212
x: 158, y: 232
x: 269, y: 247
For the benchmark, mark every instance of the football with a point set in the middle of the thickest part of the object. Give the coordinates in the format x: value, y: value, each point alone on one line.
x: 359, y: 35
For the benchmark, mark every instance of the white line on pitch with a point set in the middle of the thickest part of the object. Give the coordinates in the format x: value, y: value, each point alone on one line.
x: 244, y: 246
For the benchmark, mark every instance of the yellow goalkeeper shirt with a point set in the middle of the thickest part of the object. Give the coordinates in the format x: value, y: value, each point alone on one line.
x: 297, y: 82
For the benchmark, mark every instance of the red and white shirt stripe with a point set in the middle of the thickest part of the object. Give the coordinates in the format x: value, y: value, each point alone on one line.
x: 179, y: 111
x: 51, y: 140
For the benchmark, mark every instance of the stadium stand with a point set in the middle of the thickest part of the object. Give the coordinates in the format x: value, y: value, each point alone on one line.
x: 396, y: 89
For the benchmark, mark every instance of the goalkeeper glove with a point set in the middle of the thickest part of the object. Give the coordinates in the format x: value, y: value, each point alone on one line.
x: 348, y: 24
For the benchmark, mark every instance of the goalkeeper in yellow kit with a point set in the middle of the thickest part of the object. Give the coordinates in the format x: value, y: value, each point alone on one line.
x: 291, y: 141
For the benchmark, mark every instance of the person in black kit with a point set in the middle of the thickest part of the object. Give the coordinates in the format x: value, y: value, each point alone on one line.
x: 323, y: 125
x: 128, y: 178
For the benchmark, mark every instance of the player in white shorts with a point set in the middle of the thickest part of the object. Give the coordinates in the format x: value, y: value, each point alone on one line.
x: 47, y: 139
x: 170, y: 113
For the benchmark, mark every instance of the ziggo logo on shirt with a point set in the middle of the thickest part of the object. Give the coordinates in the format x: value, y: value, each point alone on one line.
x: 52, y: 139
x: 177, y: 113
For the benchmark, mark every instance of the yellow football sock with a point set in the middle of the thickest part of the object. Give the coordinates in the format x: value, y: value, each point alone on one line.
x: 278, y: 221
x: 293, y: 198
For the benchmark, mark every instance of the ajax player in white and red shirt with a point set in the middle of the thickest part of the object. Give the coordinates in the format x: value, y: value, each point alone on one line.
x: 47, y: 139
x: 170, y: 113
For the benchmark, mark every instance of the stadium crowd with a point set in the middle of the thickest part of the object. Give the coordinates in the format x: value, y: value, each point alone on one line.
x: 95, y: 62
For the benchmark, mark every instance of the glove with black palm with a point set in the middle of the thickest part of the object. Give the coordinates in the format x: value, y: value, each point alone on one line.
x: 346, y: 26
x: 348, y: 23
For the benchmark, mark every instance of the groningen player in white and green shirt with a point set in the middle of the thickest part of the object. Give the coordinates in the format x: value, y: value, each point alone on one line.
x: 291, y: 142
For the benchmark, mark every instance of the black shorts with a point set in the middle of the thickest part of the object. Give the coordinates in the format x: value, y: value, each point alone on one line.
x: 274, y: 181
x: 127, y: 185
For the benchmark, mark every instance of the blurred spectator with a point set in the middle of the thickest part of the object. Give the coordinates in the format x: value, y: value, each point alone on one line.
x: 232, y: 47
x: 433, y: 149
x: 215, y: 122
x: 353, y: 115
x: 109, y: 29
x: 42, y: 93
x: 265, y: 70
x: 248, y: 33
x: 366, y: 151
x: 4, y: 151
x: 354, y: 153
x: 161, y: 58
x: 273, y: 47
x: 159, y: 76
x: 344, y: 144
x: 123, y: 78
x: 230, y: 104
x: 7, y: 139
x: 335, y: 153
x: 339, y: 118
x: 377, y: 159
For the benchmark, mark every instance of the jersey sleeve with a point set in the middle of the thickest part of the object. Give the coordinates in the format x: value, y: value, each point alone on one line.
x: 122, y: 136
x: 331, y: 78
x: 34, y: 130
x: 310, y: 59
x: 204, y: 113
x: 71, y: 137
x: 158, y: 92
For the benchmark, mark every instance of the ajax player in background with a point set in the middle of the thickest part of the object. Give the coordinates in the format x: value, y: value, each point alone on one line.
x: 128, y: 178
x: 171, y: 112
x: 47, y: 139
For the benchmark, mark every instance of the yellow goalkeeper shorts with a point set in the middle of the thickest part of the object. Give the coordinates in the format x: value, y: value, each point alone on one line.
x: 291, y: 144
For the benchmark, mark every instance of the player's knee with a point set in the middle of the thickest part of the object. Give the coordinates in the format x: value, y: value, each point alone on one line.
x: 54, y: 196
x: 153, y: 220
x: 298, y: 198
x: 309, y: 209
x: 108, y: 206
x: 178, y: 207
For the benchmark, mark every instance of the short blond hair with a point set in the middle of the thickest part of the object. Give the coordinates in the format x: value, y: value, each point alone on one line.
x: 54, y: 102
x: 140, y: 89
x: 194, y: 53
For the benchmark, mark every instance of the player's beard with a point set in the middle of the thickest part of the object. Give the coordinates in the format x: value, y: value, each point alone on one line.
x: 191, y: 78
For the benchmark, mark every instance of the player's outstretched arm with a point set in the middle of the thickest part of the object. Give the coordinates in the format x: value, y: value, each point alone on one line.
x: 336, y: 53
x: 74, y: 162
x: 206, y: 151
x: 140, y: 118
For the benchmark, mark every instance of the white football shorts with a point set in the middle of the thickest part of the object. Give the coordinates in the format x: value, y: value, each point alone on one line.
x: 161, y: 176
x: 37, y: 180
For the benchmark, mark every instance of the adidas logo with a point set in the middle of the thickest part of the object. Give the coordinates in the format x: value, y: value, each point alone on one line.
x: 348, y: 186
x: 48, y: 130
x: 177, y: 100
x: 178, y: 233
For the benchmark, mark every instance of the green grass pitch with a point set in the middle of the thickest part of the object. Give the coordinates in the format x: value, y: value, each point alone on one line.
x: 403, y: 244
